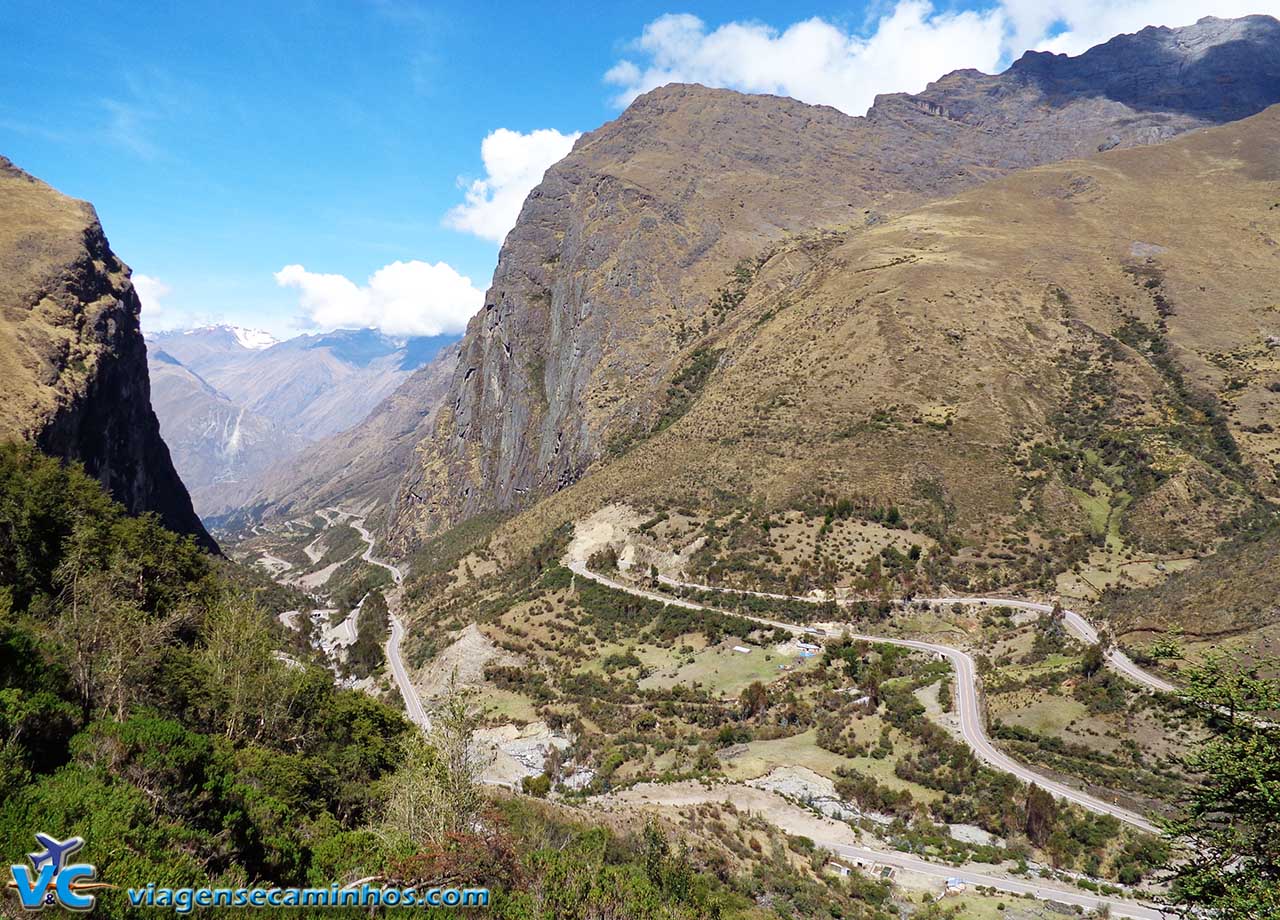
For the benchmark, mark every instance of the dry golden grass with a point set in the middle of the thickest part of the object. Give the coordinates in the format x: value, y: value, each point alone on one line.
x: 47, y: 343
x: 843, y: 365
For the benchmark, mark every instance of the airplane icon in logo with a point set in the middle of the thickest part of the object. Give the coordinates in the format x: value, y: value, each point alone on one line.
x: 55, y: 851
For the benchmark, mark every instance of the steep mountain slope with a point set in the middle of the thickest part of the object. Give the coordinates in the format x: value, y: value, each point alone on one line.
x: 209, y: 347
x: 638, y: 245
x: 232, y: 406
x: 72, y: 358
x: 1234, y: 593
x: 1073, y: 359
x: 314, y: 385
x: 215, y: 443
x: 360, y: 467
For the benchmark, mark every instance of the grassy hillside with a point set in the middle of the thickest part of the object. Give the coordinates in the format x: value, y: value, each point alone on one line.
x: 71, y: 352
x: 1067, y: 372
x: 1231, y: 596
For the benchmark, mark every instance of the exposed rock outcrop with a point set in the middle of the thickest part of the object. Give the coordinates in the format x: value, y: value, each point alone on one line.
x: 636, y: 245
x: 72, y: 358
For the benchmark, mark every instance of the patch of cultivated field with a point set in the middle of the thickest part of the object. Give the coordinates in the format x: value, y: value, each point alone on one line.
x: 1109, y: 568
x: 973, y: 906
x: 725, y: 672
x: 1043, y: 715
x: 761, y: 757
x: 1050, y: 663
x: 498, y: 705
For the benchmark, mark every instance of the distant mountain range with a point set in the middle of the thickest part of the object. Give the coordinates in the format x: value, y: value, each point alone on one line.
x: 232, y: 401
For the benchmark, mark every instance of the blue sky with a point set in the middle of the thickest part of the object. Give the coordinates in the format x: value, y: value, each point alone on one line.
x: 223, y: 142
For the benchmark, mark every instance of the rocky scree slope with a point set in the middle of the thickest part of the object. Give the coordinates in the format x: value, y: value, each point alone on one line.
x: 72, y: 357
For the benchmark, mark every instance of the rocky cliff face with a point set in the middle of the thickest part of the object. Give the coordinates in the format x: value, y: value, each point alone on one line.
x: 72, y: 357
x: 636, y: 246
x: 1066, y: 377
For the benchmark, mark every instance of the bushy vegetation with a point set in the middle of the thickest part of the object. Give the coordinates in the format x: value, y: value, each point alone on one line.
x: 373, y: 626
x: 143, y: 708
x: 1229, y: 825
x: 686, y: 385
x: 341, y: 542
x: 1232, y: 590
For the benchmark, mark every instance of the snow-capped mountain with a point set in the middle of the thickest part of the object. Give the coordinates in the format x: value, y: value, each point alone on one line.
x: 253, y: 339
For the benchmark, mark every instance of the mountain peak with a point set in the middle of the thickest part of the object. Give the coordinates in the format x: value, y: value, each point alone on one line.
x: 1181, y: 70
x: 253, y: 339
x: 638, y: 238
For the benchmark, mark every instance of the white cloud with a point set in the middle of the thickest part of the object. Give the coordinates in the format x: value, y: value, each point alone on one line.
x: 813, y: 60
x: 514, y: 164
x: 157, y: 316
x: 817, y: 62
x: 403, y: 298
x: 151, y: 292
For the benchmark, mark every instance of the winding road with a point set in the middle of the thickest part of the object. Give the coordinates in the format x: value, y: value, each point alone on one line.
x: 1074, y: 622
x: 974, y: 732
x: 968, y: 704
x: 967, y: 698
x: 1037, y: 889
x: 967, y: 701
x: 412, y: 702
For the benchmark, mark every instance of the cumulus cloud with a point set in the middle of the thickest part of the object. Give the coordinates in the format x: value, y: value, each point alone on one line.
x: 813, y: 60
x: 513, y: 164
x: 915, y: 42
x: 400, y: 299
x: 151, y: 292
x: 157, y: 315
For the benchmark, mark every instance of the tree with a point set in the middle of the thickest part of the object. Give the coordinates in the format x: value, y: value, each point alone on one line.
x: 437, y: 791
x: 603, y: 560
x: 1041, y: 813
x: 1229, y: 827
x: 111, y: 639
x: 1093, y: 660
x: 252, y: 694
x: 373, y: 627
x: 754, y: 700
x: 1167, y: 646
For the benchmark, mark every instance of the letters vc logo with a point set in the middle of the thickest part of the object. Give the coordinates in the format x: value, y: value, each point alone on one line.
x: 51, y: 880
